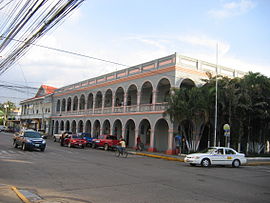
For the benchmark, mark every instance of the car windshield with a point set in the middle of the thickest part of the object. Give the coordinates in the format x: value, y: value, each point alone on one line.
x: 32, y: 134
x: 208, y: 150
x: 75, y: 137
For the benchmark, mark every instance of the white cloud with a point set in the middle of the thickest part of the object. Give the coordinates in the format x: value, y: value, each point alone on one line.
x: 209, y: 43
x: 232, y: 8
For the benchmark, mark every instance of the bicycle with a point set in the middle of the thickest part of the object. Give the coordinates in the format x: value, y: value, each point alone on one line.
x: 140, y: 147
x: 121, y: 152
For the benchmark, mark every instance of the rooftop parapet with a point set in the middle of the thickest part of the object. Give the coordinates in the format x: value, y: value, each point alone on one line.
x: 164, y: 62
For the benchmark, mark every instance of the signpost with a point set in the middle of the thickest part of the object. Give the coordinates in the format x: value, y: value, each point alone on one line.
x: 226, y: 129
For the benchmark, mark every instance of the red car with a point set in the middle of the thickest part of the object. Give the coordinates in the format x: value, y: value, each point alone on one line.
x: 74, y: 141
x: 105, y: 141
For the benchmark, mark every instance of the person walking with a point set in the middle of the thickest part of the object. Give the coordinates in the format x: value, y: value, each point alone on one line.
x: 139, y: 144
x: 178, y: 143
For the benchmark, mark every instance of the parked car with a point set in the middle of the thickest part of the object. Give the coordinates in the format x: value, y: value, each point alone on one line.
x: 29, y: 139
x: 87, y: 137
x: 216, y: 156
x: 57, y: 137
x: 74, y: 141
x: 106, y: 142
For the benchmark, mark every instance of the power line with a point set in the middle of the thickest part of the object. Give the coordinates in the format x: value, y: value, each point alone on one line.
x: 72, y: 53
x: 28, y: 21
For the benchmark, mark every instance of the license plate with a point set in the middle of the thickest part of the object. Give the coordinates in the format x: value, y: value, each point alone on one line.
x: 36, y: 145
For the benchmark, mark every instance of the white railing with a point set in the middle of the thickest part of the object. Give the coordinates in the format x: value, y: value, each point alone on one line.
x: 121, y: 109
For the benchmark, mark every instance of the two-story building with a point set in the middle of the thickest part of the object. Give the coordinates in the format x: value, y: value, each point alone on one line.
x: 36, y: 112
x: 130, y: 102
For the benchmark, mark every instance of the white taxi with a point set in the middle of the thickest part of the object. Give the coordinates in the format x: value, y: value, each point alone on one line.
x: 216, y: 156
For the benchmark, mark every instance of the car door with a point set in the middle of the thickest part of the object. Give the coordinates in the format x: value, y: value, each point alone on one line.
x: 230, y: 155
x: 217, y: 157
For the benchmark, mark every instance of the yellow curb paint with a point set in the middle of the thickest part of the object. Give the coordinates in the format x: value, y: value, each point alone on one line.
x: 258, y: 164
x: 20, y: 195
x: 160, y: 157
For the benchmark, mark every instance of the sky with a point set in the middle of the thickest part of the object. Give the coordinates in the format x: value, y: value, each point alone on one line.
x: 133, y: 32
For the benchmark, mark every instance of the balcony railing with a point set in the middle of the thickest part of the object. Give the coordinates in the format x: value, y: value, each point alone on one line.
x: 118, y: 109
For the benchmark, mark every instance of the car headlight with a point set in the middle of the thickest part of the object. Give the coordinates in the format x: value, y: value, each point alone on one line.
x: 196, y: 157
x: 43, y: 142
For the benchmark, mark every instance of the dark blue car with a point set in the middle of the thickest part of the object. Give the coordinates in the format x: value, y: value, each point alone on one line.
x: 87, y: 137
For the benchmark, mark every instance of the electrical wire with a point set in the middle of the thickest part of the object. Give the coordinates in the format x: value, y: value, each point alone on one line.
x: 29, y: 21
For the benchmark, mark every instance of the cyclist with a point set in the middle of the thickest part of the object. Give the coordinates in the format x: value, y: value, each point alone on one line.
x: 122, y: 146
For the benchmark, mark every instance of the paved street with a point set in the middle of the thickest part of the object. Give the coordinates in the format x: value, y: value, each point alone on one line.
x: 90, y: 175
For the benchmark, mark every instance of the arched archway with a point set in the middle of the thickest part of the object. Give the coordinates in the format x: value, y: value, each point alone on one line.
x: 73, y: 127
x: 82, y: 102
x: 56, y: 130
x: 96, y: 128
x: 88, y: 126
x: 69, y: 104
x: 145, y: 132
x: 163, y: 90
x: 58, y: 105
x: 75, y: 103
x: 90, y: 101
x: 187, y: 83
x: 106, y: 127
x: 108, y: 99
x: 80, y: 126
x: 132, y: 95
x: 146, y: 93
x: 161, y: 135
x: 67, y: 126
x: 119, y: 97
x: 98, y: 100
x: 63, y: 108
x: 130, y: 133
x: 62, y: 126
x: 117, y: 129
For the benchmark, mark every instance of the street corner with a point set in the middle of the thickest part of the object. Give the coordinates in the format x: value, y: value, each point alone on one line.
x: 7, y: 195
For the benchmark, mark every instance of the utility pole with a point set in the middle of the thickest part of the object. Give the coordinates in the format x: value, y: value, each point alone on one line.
x: 216, y: 104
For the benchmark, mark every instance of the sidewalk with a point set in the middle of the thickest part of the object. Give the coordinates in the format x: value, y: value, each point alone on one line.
x: 251, y: 161
x: 7, y: 195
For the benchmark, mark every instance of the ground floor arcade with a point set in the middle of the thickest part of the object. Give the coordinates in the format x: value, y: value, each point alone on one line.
x: 156, y: 132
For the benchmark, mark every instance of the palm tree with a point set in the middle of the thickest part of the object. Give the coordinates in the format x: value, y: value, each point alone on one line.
x: 188, y: 107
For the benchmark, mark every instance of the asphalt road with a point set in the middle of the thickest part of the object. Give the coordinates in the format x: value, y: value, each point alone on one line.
x: 92, y: 175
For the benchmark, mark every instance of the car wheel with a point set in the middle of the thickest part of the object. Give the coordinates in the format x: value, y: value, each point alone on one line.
x: 205, y: 163
x: 236, y: 163
x: 24, y: 147
x: 106, y: 147
x: 69, y: 145
x: 93, y: 146
x: 15, y: 144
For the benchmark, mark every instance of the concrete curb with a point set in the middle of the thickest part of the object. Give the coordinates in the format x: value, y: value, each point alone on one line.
x: 261, y: 163
x: 258, y: 163
x: 160, y: 157
x: 20, y: 195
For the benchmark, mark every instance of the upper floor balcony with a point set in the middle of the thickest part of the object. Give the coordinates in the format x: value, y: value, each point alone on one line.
x: 143, y: 108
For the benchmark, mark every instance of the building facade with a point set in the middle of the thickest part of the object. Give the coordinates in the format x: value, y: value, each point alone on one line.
x: 36, y: 112
x: 129, y: 102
